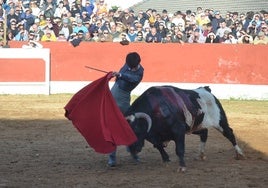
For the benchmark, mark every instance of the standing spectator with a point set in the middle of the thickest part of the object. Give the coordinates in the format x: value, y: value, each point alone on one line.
x: 153, y: 36
x: 129, y: 76
x: 216, y: 19
x: 201, y: 20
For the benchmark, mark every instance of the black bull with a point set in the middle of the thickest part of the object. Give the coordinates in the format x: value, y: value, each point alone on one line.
x: 166, y: 113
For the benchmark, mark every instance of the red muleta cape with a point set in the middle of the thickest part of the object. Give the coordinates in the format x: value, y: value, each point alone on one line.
x: 94, y: 112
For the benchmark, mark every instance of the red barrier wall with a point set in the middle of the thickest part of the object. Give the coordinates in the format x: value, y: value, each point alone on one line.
x: 189, y: 63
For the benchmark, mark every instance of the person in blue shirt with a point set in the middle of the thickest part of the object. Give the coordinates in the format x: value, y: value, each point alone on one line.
x: 129, y: 76
x: 153, y: 36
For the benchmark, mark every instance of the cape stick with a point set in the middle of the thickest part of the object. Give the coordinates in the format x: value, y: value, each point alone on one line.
x: 96, y: 69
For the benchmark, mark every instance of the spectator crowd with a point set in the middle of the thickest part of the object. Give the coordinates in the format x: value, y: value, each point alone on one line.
x: 92, y: 21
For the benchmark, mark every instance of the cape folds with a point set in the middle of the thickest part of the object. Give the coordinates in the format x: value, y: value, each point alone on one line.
x: 94, y: 112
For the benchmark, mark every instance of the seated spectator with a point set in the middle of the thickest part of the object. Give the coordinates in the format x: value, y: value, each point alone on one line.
x: 230, y: 39
x: 211, y: 38
x: 60, y: 10
x: 206, y: 29
x: 153, y: 36
x: 196, y: 37
x: 95, y: 36
x: 22, y: 33
x: 106, y: 36
x: 34, y: 8
x: 222, y: 29
x: 178, y: 37
x: 224, y: 37
x: 114, y: 32
x: 49, y: 36
x: 32, y: 44
x: 61, y: 37
x: 87, y: 37
x: 3, y: 44
x: 252, y: 29
x: 260, y: 38
x: 66, y: 27
x: 123, y: 38
x: 245, y: 39
x: 168, y: 38
x: 80, y: 26
x: 132, y: 34
x: 264, y: 29
x: 89, y: 7
x: 139, y: 37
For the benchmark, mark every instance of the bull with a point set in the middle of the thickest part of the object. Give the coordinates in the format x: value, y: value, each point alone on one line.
x: 166, y: 113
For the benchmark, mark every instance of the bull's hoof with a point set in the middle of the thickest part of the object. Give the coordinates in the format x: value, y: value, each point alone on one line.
x: 201, y: 157
x: 240, y: 156
x: 182, y: 169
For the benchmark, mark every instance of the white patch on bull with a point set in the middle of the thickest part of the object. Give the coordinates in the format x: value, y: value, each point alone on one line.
x: 209, y: 108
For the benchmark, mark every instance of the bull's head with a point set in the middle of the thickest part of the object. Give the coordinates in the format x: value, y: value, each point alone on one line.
x: 141, y: 124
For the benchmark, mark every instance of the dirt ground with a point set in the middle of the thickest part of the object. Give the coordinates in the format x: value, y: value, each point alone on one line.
x: 40, y: 148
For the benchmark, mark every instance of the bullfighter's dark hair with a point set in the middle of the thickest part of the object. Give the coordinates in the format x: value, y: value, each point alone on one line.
x: 133, y: 59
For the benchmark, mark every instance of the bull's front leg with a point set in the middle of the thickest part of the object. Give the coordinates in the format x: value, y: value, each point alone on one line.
x: 179, y: 134
x: 203, y: 133
x: 164, y: 155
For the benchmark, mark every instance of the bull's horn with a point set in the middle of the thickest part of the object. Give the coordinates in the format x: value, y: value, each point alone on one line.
x: 146, y: 117
x: 131, y: 118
